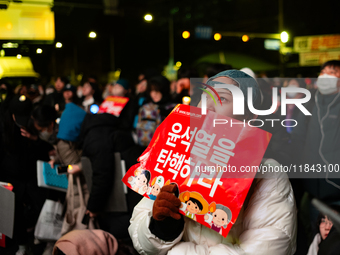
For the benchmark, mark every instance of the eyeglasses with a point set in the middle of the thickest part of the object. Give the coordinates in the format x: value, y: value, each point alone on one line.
x: 324, y: 223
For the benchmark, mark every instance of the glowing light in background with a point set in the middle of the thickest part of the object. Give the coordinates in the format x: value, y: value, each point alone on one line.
x: 217, y: 36
x: 186, y: 34
x: 148, y: 17
x: 94, y: 109
x: 245, y: 38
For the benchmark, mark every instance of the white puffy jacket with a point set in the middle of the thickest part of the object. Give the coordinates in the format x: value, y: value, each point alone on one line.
x: 266, y: 225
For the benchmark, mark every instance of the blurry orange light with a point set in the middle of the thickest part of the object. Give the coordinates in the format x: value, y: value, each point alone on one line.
x: 186, y: 34
x: 245, y: 38
x: 217, y: 37
x: 186, y: 100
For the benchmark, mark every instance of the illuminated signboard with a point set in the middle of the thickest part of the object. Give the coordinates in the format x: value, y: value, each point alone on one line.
x: 27, y: 20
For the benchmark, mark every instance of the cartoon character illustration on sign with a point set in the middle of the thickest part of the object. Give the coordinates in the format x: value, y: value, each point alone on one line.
x: 140, y: 182
x: 156, y: 184
x: 194, y: 204
x: 218, y: 218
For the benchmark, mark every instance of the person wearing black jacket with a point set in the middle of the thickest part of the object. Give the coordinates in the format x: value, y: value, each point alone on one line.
x: 100, y: 138
x: 20, y: 148
x: 56, y: 98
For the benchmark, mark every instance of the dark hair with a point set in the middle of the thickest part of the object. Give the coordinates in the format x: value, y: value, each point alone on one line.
x: 159, y: 83
x: 198, y: 203
x: 63, y: 79
x: 149, y: 73
x: 331, y: 63
x: 187, y: 73
x: 214, y: 69
x: 147, y: 175
x: 322, y: 216
x: 43, y: 115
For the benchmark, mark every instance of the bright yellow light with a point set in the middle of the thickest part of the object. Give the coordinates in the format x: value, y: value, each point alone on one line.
x: 186, y: 34
x: 19, y: 56
x: 186, y: 100
x: 70, y: 167
x: 9, y: 26
x: 22, y: 98
x: 284, y: 37
x: 58, y: 45
x: 39, y: 51
x: 117, y: 74
x: 92, y: 35
x: 245, y: 38
x: 148, y: 17
x: 2, y: 53
x: 217, y: 36
x: 178, y: 64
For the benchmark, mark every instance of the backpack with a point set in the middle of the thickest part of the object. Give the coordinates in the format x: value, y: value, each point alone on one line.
x: 149, y: 118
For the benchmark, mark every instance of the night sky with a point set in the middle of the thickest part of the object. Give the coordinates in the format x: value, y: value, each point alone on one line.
x: 139, y: 45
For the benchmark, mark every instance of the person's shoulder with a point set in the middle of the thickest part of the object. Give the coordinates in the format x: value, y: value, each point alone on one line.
x: 272, y: 178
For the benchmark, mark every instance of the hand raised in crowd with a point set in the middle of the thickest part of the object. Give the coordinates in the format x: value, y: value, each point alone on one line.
x: 27, y: 134
x: 166, y: 204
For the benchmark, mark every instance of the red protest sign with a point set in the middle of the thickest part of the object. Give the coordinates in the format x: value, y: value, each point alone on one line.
x: 209, y: 157
x: 113, y: 105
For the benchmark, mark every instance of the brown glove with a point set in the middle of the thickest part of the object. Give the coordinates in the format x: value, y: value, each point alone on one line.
x: 166, y: 204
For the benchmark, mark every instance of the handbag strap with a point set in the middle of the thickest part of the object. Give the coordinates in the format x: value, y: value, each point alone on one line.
x: 70, y: 194
x: 81, y: 197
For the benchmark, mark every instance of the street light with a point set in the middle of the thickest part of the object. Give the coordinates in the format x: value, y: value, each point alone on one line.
x: 92, y: 35
x: 186, y: 34
x: 39, y: 51
x: 58, y: 45
x: 245, y: 38
x: 148, y: 17
x: 284, y: 37
x: 217, y: 36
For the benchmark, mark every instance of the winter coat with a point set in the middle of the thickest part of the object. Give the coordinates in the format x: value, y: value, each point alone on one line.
x: 21, y: 162
x: 306, y: 141
x: 314, y: 247
x: 55, y: 98
x: 100, y: 139
x: 266, y: 225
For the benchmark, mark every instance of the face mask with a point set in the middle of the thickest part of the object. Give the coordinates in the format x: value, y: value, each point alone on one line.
x: 45, y: 135
x: 291, y: 94
x: 327, y: 84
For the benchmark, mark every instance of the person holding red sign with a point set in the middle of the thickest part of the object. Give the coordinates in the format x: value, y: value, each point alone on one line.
x: 266, y: 223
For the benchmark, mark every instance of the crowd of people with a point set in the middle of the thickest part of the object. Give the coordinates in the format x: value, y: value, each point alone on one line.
x: 60, y: 124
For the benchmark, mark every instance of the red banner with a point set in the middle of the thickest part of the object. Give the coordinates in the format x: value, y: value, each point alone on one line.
x: 113, y: 105
x: 210, y: 157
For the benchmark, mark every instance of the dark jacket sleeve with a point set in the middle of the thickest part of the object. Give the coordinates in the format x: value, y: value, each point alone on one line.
x: 103, y: 162
x: 41, y: 149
